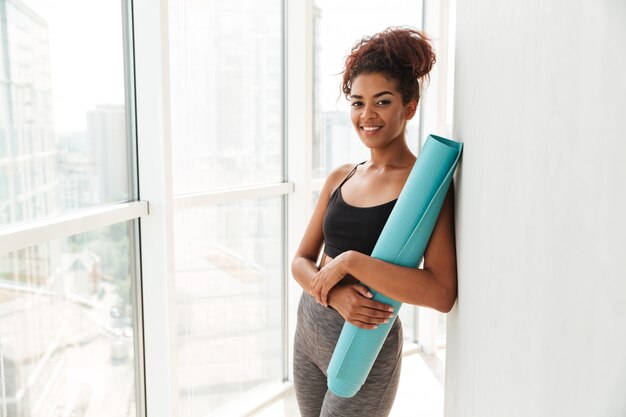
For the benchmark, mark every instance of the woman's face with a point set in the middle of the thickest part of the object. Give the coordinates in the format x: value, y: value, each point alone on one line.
x: 377, y: 111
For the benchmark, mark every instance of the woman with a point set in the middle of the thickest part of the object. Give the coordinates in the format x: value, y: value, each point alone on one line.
x: 381, y: 80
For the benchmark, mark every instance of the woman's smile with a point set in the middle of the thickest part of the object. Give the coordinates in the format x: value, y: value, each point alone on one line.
x: 370, y: 130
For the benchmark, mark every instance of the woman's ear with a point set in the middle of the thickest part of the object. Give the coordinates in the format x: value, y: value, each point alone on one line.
x: 411, y: 109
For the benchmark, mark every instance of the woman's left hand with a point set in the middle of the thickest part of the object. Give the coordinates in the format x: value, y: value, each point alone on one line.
x: 327, y: 278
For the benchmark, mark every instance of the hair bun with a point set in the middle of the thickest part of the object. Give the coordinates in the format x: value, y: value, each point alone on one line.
x: 404, y: 54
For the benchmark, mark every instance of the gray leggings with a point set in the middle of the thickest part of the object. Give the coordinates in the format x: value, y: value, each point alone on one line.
x: 317, y: 331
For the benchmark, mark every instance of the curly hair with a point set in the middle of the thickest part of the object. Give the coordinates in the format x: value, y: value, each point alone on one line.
x: 402, y: 54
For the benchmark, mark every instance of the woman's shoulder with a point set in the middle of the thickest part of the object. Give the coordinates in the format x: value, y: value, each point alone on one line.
x: 338, y: 174
x: 341, y: 171
x: 345, y: 169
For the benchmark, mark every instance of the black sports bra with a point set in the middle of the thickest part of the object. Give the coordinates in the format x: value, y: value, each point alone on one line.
x: 348, y: 227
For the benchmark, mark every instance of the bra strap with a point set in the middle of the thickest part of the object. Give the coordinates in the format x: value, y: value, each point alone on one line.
x: 350, y: 174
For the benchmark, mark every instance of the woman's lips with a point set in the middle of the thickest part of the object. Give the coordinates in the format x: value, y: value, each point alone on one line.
x: 371, y: 130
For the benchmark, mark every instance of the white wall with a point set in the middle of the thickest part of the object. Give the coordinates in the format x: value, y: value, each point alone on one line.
x: 539, y: 328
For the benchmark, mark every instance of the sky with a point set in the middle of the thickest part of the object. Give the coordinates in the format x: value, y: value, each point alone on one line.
x: 86, y: 54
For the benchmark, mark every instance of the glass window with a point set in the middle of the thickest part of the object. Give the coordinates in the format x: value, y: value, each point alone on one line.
x: 226, y: 88
x: 3, y: 189
x: 229, y: 280
x: 62, y: 108
x: 226, y: 69
x: 4, y: 123
x: 66, y: 339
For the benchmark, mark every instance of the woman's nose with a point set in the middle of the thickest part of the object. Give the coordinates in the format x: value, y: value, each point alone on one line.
x: 368, y: 113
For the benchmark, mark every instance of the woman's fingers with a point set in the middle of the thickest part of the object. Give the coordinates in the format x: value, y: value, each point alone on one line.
x: 368, y: 322
x: 356, y: 307
x: 369, y: 311
x: 362, y: 290
x: 376, y: 314
x: 372, y: 320
x: 363, y: 325
x: 320, y: 289
x: 321, y: 294
x: 315, y: 289
x: 371, y: 308
x: 378, y: 306
x: 324, y: 295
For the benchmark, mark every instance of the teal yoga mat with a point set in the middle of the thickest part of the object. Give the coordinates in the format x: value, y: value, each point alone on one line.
x: 402, y: 241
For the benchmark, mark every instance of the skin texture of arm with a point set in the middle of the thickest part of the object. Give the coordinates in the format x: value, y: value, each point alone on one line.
x: 433, y: 286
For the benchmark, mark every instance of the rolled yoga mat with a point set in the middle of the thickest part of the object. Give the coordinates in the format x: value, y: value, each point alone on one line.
x: 402, y: 241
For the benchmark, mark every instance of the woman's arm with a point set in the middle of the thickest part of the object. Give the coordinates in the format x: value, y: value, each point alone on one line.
x: 304, y: 263
x: 433, y: 286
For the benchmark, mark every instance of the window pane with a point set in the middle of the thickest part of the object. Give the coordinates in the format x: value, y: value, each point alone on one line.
x: 338, y: 25
x: 407, y: 315
x: 226, y: 78
x: 66, y: 338
x: 229, y: 280
x: 62, y: 110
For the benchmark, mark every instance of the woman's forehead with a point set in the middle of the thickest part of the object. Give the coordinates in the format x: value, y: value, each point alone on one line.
x: 372, y: 84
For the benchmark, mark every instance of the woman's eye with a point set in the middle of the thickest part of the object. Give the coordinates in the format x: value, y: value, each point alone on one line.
x: 356, y: 104
x: 384, y: 102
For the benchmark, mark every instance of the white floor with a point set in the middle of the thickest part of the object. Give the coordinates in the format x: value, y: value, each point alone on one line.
x: 420, y: 393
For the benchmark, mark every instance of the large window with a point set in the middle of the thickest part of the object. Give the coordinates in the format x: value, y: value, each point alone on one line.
x: 68, y: 300
x: 226, y: 68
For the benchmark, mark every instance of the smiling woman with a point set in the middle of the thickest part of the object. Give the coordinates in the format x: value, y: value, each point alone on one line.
x: 381, y: 80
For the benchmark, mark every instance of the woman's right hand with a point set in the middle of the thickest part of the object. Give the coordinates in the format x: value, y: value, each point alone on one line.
x: 354, y: 303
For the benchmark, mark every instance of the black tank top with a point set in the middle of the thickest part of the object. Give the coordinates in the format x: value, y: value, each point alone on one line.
x: 348, y: 227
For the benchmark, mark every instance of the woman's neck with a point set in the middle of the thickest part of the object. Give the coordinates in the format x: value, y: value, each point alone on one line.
x: 396, y: 156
